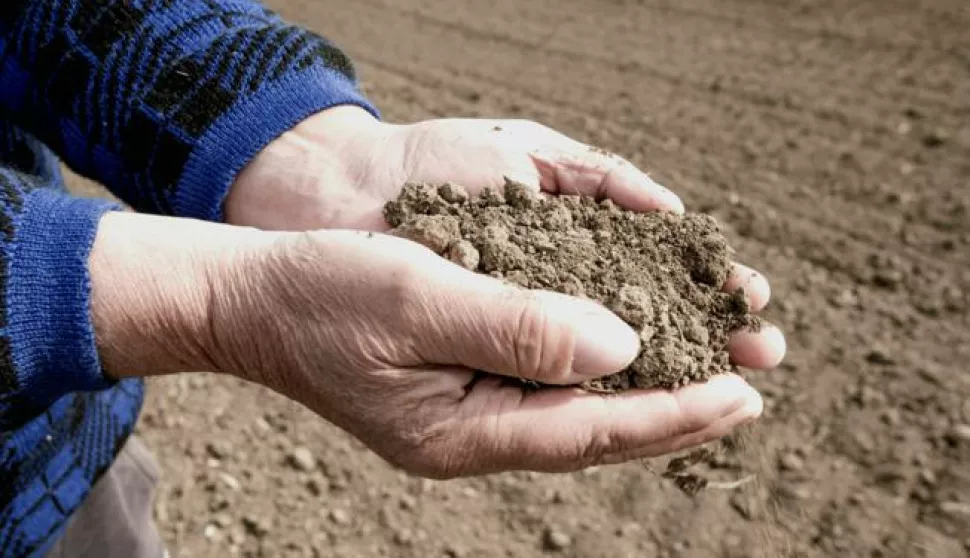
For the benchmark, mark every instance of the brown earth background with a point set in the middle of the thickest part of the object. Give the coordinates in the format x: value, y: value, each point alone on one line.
x: 831, y: 137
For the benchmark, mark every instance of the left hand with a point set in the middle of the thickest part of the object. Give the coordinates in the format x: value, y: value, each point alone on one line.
x: 338, y: 168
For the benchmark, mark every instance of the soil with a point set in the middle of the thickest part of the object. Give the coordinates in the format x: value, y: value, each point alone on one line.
x: 830, y: 139
x: 661, y: 273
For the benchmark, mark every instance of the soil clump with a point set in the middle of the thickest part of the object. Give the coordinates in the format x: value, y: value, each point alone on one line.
x: 660, y: 272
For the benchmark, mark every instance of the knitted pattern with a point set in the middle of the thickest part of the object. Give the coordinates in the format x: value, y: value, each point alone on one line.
x: 164, y: 102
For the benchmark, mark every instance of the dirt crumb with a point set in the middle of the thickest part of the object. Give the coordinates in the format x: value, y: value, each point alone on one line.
x: 660, y: 272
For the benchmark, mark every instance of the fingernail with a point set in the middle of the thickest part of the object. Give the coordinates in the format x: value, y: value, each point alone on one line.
x: 668, y: 200
x: 605, y: 345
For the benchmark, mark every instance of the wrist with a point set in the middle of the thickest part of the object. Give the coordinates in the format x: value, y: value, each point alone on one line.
x: 154, y: 284
x: 286, y: 186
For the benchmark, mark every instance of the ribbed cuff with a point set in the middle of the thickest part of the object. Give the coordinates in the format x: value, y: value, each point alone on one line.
x: 234, y: 140
x: 48, y: 293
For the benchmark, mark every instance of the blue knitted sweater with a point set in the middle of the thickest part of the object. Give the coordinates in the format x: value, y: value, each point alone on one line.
x: 164, y: 102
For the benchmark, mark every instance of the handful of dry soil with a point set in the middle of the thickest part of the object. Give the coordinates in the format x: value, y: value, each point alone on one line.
x: 662, y: 273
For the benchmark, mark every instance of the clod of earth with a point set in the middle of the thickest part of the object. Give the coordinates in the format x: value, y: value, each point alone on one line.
x: 660, y: 272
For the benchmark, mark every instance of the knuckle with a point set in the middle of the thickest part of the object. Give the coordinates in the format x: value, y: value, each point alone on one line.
x: 542, y: 348
x: 600, y: 444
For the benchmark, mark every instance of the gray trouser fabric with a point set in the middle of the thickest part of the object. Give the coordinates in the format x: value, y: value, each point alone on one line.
x: 115, y: 520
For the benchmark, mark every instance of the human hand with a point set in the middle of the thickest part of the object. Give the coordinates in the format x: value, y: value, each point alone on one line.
x: 338, y: 168
x: 382, y: 337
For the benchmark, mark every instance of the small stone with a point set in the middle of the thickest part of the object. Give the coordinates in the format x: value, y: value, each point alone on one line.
x: 407, y: 502
x: 845, y: 299
x: 960, y: 433
x: 315, y: 486
x: 880, y: 356
x: 934, y: 138
x: 891, y: 416
x: 211, y: 532
x: 628, y: 529
x: 256, y: 526
x: 887, y: 278
x: 555, y: 540
x: 790, y: 461
x: 230, y: 481
x: 217, y: 449
x: 403, y: 537
x: 455, y: 551
x: 302, y: 459
x: 339, y: 516
x: 222, y: 520
x: 955, y: 508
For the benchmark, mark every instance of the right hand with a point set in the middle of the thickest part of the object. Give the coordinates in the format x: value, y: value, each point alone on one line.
x: 381, y: 336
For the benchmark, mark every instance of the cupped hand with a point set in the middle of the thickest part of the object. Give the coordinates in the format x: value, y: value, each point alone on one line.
x: 338, y: 168
x: 382, y: 337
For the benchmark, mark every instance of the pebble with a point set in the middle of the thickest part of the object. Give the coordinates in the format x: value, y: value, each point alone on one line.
x: 211, y: 532
x: 961, y: 432
x: 628, y: 529
x: 256, y: 526
x: 864, y: 442
x: 934, y: 138
x: 217, y: 449
x: 403, y: 537
x: 408, y: 502
x: 555, y: 540
x: 455, y: 551
x: 790, y: 461
x: 891, y: 416
x: 955, y: 508
x: 339, y: 516
x: 845, y: 298
x: 229, y: 480
x: 887, y: 278
x: 880, y: 356
x: 302, y: 459
x: 315, y: 486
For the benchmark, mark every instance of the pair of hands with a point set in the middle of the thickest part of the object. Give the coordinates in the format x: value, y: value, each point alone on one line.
x: 381, y: 336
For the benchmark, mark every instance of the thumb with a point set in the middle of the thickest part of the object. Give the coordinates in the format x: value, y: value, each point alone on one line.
x: 483, y: 324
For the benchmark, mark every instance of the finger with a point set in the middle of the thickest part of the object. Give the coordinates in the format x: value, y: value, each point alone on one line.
x: 755, y: 286
x: 566, y: 429
x: 478, y: 322
x: 715, y: 431
x: 568, y: 167
x: 761, y: 349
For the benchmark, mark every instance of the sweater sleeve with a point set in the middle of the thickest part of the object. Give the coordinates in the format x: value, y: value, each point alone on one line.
x: 163, y: 101
x: 47, y: 343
